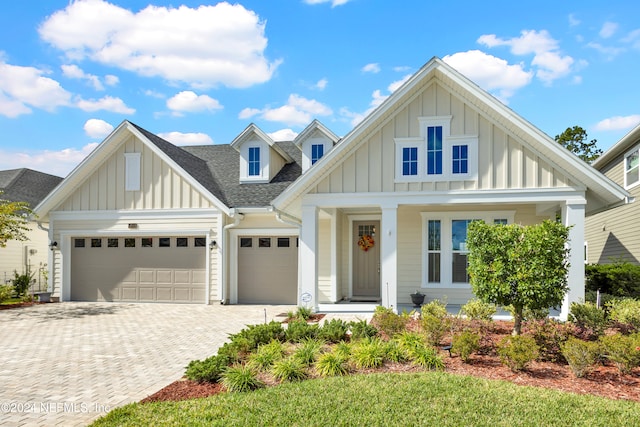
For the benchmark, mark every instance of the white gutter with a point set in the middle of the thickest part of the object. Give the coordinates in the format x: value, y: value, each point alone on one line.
x: 233, y: 213
x: 293, y: 221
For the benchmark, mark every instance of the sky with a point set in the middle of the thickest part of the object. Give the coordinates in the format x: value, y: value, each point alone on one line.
x: 198, y: 72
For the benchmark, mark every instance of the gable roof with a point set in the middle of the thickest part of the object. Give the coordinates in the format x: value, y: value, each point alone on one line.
x: 599, y: 188
x: 26, y: 185
x: 314, y: 126
x: 626, y: 143
x: 252, y: 129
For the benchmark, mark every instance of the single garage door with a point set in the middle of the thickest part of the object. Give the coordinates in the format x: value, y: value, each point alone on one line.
x: 138, y: 269
x: 267, y: 269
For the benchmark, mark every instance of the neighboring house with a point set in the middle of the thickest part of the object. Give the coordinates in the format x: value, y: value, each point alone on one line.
x: 26, y: 185
x: 318, y: 221
x: 613, y: 235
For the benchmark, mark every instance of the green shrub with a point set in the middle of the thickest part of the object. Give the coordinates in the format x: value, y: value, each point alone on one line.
x: 625, y: 311
x: 427, y: 357
x: 332, y: 365
x: 301, y: 313
x: 289, y: 369
x: 622, y: 350
x: 21, y: 282
x: 465, y: 344
x: 240, y: 378
x: 369, y: 353
x: 476, y: 309
x: 588, y: 316
x: 6, y: 292
x: 334, y: 331
x: 620, y: 279
x: 308, y: 351
x: 434, y: 327
x: 362, y: 329
x: 581, y: 355
x: 409, y: 340
x: 266, y: 355
x: 388, y: 322
x: 298, y: 330
x: 592, y: 296
x: 342, y: 349
x: 549, y: 335
x: 208, y: 370
x: 435, y: 308
x: 252, y: 336
x: 395, y: 352
x: 517, y: 351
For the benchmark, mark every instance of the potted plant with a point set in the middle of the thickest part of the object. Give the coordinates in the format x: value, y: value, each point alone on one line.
x: 417, y: 298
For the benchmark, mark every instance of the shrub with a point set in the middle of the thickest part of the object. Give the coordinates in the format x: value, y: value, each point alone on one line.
x: 369, y: 353
x: 308, y: 351
x: 435, y: 308
x: 622, y: 350
x: 427, y: 357
x: 208, y: 370
x: 409, y: 340
x: 289, y: 369
x: 298, y: 330
x: 342, y: 349
x: 362, y: 329
x: 302, y: 313
x: 239, y: 378
x: 619, y: 279
x: 6, y: 291
x: 465, y: 343
x: 388, y: 322
x: 581, y: 355
x: 434, y: 328
x: 517, y: 351
x: 334, y: 331
x: 331, y: 365
x: 266, y: 355
x: 476, y: 309
x: 21, y: 282
x: 549, y: 335
x: 625, y: 311
x: 252, y: 336
x: 395, y: 352
x: 588, y: 316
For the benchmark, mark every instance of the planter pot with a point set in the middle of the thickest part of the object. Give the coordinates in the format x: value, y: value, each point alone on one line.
x: 43, y: 296
x: 417, y: 300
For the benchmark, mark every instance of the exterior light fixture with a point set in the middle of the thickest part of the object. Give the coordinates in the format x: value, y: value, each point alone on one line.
x: 53, y: 246
x: 213, y: 244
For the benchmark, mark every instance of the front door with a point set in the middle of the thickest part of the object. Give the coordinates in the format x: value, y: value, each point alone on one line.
x: 366, y: 261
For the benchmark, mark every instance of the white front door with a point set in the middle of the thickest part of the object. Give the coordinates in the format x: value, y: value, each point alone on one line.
x: 366, y: 261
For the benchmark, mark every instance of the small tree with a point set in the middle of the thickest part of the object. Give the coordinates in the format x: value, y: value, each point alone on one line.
x: 14, y: 221
x: 575, y: 140
x: 521, y: 266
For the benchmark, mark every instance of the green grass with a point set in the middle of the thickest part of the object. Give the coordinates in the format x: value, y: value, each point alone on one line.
x: 433, y: 398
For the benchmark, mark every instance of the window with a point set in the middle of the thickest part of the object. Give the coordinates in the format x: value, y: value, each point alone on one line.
x: 434, y: 150
x: 409, y: 161
x: 264, y: 242
x: 631, y: 168
x: 445, y: 257
x: 254, y: 161
x: 146, y: 242
x: 283, y: 242
x: 112, y: 243
x: 130, y: 242
x: 96, y: 243
x: 132, y: 171
x: 164, y: 242
x: 246, y: 242
x: 317, y: 151
x: 460, y: 158
x: 78, y: 243
x: 182, y: 242
x: 199, y: 242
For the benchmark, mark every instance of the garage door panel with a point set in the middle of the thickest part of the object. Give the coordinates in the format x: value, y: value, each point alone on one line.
x: 164, y: 294
x: 164, y: 277
x: 182, y: 277
x: 182, y: 294
x: 129, y: 293
x: 146, y: 294
x: 146, y: 277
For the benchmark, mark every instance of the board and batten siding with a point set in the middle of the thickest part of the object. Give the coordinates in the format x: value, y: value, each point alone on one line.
x: 505, y: 160
x: 324, y: 261
x: 160, y: 186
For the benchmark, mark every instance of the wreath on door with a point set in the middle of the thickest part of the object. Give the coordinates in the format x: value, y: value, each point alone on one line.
x: 366, y: 242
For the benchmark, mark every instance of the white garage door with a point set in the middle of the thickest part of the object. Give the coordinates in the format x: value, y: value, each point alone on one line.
x: 138, y: 269
x: 267, y: 269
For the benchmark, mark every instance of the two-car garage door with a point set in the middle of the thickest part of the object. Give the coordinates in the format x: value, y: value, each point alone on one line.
x: 139, y: 269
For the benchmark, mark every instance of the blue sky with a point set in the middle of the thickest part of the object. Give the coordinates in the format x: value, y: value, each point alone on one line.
x: 198, y: 72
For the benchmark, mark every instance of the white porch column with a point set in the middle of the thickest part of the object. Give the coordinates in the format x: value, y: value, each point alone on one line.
x: 573, y: 215
x: 389, y: 256
x: 308, y: 250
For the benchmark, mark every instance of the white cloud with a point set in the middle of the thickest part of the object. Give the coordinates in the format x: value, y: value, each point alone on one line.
x: 371, y: 68
x: 107, y: 103
x: 334, y: 3
x: 609, y: 51
x: 573, y: 21
x: 298, y: 111
x: 75, y: 72
x: 154, y: 94
x: 618, y: 122
x: 188, y: 101
x: 491, y: 73
x: 96, y: 128
x: 283, y: 135
x: 179, y: 138
x: 608, y: 29
x: 24, y: 88
x: 377, y: 98
x: 58, y: 163
x: 547, y: 58
x: 322, y: 84
x: 395, y: 85
x: 172, y: 43
x: 111, y: 80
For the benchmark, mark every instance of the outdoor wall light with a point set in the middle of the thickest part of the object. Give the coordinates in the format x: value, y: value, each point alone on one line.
x: 213, y: 244
x: 53, y: 246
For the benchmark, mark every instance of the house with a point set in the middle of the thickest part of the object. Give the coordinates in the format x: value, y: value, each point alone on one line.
x: 320, y: 220
x: 613, y: 235
x: 30, y: 186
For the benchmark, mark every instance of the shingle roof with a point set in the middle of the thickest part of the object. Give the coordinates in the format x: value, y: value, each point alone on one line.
x: 26, y: 185
x: 217, y: 168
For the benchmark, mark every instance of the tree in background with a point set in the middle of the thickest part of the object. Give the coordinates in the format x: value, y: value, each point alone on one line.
x: 14, y: 221
x: 575, y: 140
x: 524, y: 267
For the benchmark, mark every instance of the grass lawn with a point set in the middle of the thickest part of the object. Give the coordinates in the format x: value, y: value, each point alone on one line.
x: 390, y: 399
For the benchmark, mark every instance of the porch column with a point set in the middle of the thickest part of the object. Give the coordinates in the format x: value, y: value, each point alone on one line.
x: 389, y: 256
x: 308, y: 289
x: 573, y: 215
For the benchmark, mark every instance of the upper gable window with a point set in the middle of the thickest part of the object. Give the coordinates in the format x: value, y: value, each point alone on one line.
x: 436, y: 155
x: 631, y: 168
x: 254, y: 161
x: 132, y: 171
x: 317, y: 151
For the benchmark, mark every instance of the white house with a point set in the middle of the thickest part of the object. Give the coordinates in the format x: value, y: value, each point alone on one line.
x: 320, y: 220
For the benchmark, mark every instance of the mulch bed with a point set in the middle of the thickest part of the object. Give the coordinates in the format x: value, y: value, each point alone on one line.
x: 19, y: 304
x: 604, y: 381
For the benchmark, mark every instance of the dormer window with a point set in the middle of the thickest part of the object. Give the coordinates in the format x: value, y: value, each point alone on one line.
x: 317, y: 151
x: 254, y: 161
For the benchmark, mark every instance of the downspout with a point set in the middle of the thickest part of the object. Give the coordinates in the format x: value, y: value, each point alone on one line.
x: 237, y: 217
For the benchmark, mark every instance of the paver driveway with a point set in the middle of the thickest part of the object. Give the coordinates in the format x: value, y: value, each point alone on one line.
x: 69, y: 363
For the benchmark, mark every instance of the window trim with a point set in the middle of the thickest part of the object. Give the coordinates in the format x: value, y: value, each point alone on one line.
x: 315, y: 146
x: 132, y: 180
x: 265, y: 154
x: 446, y: 248
x: 636, y: 150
